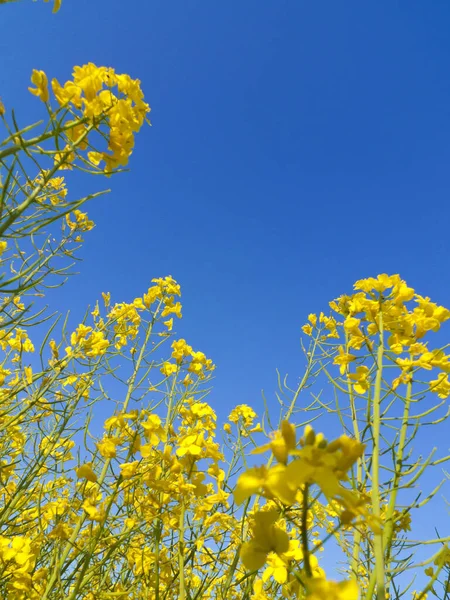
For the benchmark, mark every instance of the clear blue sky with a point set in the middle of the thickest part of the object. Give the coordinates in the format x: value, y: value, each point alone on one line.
x: 296, y: 147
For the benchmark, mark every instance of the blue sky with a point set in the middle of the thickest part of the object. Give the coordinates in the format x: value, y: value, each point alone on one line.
x: 296, y: 147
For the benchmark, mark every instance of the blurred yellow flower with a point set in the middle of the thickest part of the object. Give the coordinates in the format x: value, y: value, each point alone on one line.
x: 85, y: 472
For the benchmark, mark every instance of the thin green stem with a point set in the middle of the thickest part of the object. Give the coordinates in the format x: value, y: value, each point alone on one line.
x: 182, y: 588
x: 376, y: 423
x: 304, y: 532
x: 389, y: 527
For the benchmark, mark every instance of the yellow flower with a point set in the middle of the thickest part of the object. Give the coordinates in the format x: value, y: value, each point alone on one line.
x: 258, y: 590
x: 3, y: 374
x: 317, y: 462
x: 360, y: 378
x: 128, y: 469
x: 277, y: 568
x: 312, y: 318
x: 107, y: 447
x: 249, y: 483
x: 123, y: 113
x: 443, y: 557
x: 106, y: 298
x: 168, y: 285
x: 256, y: 428
x: 321, y: 589
x: 139, y: 303
x: 21, y: 342
x: 62, y: 531
x: 402, y: 293
x: 272, y: 482
x: 168, y: 369
x: 129, y: 522
x: 343, y: 359
x: 380, y: 284
x: 96, y: 344
x: 244, y: 412
x: 402, y: 521
x: 191, y: 445
x: 168, y: 324
x: 85, y: 472
x: 80, y: 334
x: 172, y: 308
x: 154, y: 293
x: 81, y: 223
x: 28, y: 371
x: 187, y: 380
x: 307, y: 329
x: 441, y: 385
x: 153, y: 430
x: 267, y: 537
x: 282, y: 444
x: 39, y: 79
x: 180, y: 350
x: 94, y: 512
x: 351, y: 325
x: 67, y: 93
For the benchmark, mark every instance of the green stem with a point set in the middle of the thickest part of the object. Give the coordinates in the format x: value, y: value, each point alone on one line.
x: 182, y: 594
x: 359, y: 473
x: 14, y: 214
x: 389, y: 528
x: 40, y: 138
x: 376, y: 422
x: 304, y: 532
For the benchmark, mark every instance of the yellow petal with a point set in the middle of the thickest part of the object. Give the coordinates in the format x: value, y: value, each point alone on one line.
x: 253, y: 558
x: 249, y: 483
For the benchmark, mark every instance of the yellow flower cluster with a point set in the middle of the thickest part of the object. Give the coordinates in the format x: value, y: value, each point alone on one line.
x: 16, y: 340
x: 243, y: 416
x: 126, y: 319
x: 315, y: 462
x: 54, y: 189
x: 81, y: 223
x: 244, y: 412
x: 178, y: 468
x: 101, y: 96
x: 380, y: 307
x: 195, y: 362
x: 89, y: 342
x: 18, y: 559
